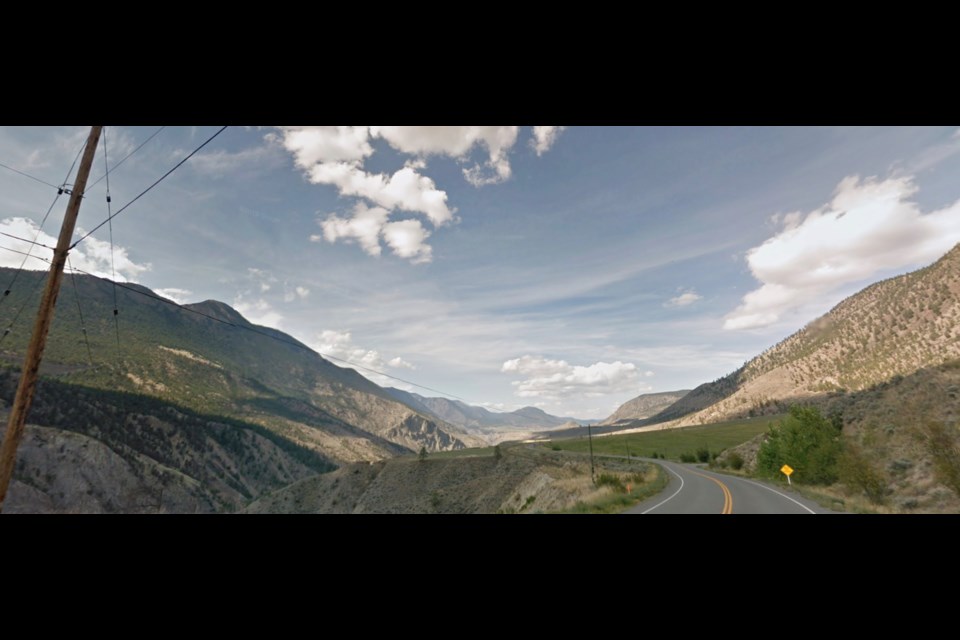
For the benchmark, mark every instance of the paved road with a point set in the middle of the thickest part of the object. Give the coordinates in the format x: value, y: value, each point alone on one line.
x: 696, y: 490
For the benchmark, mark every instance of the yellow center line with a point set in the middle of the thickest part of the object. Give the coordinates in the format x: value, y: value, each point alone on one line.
x: 727, y: 498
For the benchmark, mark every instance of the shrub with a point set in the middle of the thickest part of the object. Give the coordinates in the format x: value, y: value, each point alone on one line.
x: 856, y: 471
x: 703, y: 454
x: 688, y: 457
x: 735, y: 460
x: 611, y: 480
x: 805, y: 440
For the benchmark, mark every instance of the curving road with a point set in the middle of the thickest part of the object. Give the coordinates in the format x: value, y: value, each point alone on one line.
x: 695, y: 490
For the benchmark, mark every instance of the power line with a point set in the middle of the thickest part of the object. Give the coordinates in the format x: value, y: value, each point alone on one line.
x: 27, y: 175
x: 142, y: 193
x: 83, y: 328
x: 292, y: 343
x: 27, y: 255
x: 152, y: 136
x: 33, y: 242
x: 113, y: 270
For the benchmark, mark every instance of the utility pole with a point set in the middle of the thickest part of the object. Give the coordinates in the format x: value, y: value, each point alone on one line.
x: 38, y: 341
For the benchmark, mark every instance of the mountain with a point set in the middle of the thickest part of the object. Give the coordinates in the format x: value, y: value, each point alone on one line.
x: 892, y: 328
x: 208, y: 358
x: 92, y: 451
x: 478, y: 419
x: 644, y: 406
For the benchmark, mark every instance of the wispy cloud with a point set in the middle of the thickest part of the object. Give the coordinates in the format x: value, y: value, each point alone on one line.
x: 684, y: 299
x: 557, y: 379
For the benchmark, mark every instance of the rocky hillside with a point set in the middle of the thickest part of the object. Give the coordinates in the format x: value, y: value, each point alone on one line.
x: 207, y: 357
x: 91, y: 451
x: 892, y: 328
x: 643, y: 406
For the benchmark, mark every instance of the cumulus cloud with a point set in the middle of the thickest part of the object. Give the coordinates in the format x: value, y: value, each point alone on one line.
x: 180, y: 296
x: 302, y: 292
x: 363, y: 227
x: 684, y: 299
x: 92, y: 256
x: 407, y: 238
x: 869, y: 225
x: 556, y: 379
x: 544, y: 137
x: 336, y: 155
x: 339, y: 344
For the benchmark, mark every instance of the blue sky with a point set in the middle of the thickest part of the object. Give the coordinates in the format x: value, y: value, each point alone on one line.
x: 571, y: 268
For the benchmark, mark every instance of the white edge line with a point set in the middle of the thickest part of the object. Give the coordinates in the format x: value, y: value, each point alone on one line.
x: 660, y: 504
x: 779, y: 494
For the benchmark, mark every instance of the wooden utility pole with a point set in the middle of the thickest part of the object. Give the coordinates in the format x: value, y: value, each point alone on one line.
x: 31, y: 364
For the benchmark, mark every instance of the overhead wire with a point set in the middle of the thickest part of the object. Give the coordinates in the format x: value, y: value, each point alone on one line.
x: 27, y: 175
x: 27, y: 256
x: 113, y: 270
x: 140, y: 146
x: 145, y: 191
x: 83, y: 327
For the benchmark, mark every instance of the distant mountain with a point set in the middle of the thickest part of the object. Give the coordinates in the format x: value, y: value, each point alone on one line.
x: 478, y: 419
x: 644, y: 406
x: 207, y: 357
x: 892, y: 328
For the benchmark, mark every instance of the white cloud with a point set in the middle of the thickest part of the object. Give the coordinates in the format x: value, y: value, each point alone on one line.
x: 869, y: 225
x: 302, y: 292
x: 179, y: 296
x: 335, y: 156
x: 457, y: 142
x: 364, y: 227
x: 400, y: 363
x: 406, y: 189
x: 683, y: 300
x: 407, y: 238
x: 339, y: 344
x: 555, y: 379
x: 648, y: 374
x: 544, y: 137
x: 315, y: 145
x: 92, y: 256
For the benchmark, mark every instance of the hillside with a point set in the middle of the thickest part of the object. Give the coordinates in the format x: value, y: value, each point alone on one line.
x: 206, y: 358
x: 891, y: 328
x: 643, y: 406
x: 90, y: 451
x: 478, y: 419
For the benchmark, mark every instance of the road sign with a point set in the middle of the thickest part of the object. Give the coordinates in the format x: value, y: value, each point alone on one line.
x: 787, y: 470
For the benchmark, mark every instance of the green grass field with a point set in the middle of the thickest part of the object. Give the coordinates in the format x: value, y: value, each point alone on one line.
x: 463, y: 453
x: 672, y: 442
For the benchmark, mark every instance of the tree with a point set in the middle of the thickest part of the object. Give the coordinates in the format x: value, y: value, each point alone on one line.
x: 423, y: 453
x: 806, y: 441
x: 497, y: 454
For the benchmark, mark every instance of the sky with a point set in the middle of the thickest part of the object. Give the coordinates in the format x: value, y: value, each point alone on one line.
x: 569, y: 268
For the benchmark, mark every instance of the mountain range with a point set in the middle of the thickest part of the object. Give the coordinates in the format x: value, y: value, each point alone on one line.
x: 477, y: 419
x: 208, y: 358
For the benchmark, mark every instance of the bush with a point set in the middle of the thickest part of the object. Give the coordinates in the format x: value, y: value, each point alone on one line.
x: 858, y: 473
x: 735, y: 460
x: 703, y: 454
x: 806, y: 441
x: 688, y: 457
x: 944, y: 448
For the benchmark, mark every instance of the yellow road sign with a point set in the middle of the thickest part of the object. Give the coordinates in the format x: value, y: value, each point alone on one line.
x: 787, y: 470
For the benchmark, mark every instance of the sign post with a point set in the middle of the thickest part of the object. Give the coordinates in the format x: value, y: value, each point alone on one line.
x: 787, y: 471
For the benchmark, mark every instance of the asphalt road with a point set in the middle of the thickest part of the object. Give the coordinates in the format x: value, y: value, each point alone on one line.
x: 695, y: 490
